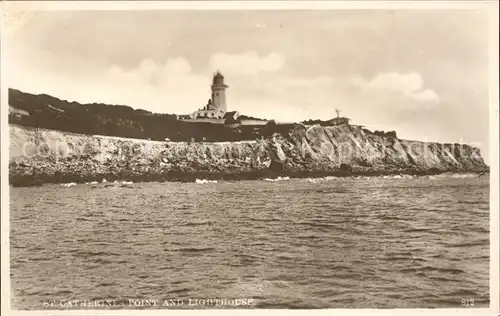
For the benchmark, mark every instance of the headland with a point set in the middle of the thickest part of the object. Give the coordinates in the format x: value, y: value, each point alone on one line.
x: 56, y: 141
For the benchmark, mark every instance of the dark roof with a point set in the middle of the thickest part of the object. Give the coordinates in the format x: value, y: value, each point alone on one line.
x: 229, y: 114
x: 218, y: 75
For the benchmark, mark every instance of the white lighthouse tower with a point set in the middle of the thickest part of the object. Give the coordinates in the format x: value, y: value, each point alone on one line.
x: 219, y: 93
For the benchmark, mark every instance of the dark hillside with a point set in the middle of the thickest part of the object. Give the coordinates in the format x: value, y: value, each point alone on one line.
x: 114, y: 120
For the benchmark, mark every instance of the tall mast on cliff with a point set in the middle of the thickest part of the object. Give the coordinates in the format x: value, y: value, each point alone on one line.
x: 338, y: 112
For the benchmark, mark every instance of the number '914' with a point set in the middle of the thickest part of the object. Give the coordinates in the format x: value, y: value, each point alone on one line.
x: 467, y: 303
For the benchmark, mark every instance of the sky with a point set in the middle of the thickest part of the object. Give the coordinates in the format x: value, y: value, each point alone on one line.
x: 421, y: 73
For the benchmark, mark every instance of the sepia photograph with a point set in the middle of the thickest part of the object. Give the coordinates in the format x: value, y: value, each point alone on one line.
x: 173, y: 156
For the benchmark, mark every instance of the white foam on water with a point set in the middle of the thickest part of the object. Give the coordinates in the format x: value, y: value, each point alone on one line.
x: 397, y: 176
x: 318, y: 180
x: 205, y: 181
x: 329, y: 178
x: 313, y: 180
x: 68, y: 185
x: 361, y: 178
x: 454, y: 176
x: 277, y: 179
x: 464, y: 175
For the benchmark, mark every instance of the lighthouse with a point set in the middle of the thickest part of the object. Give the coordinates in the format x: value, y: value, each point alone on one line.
x: 216, y: 107
x: 219, y: 93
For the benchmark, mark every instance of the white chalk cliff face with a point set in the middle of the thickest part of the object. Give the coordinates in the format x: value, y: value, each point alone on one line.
x: 53, y: 156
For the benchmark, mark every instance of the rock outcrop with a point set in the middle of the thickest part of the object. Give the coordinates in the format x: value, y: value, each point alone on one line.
x: 41, y: 155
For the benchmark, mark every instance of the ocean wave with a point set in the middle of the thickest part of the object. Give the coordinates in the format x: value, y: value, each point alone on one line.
x: 318, y: 180
x: 399, y: 176
x: 464, y: 175
x: 197, y: 223
x: 111, y: 183
x: 392, y: 177
x: 454, y: 176
x: 68, y: 185
x: 205, y: 181
x: 193, y: 249
x: 329, y: 178
x: 277, y: 179
x: 427, y: 269
x: 313, y: 180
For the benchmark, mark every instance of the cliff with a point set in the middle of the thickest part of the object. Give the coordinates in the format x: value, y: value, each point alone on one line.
x: 41, y: 155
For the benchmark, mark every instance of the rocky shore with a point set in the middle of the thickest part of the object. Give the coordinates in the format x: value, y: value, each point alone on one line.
x: 47, y: 156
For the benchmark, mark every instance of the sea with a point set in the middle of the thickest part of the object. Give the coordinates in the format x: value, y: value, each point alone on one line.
x: 384, y: 242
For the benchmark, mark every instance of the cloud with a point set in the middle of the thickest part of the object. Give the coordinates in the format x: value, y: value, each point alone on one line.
x: 409, y: 86
x: 258, y: 87
x: 303, y: 82
x: 169, y: 87
x: 249, y: 63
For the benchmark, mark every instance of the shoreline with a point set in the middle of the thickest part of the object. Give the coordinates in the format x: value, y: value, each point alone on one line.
x: 180, y: 177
